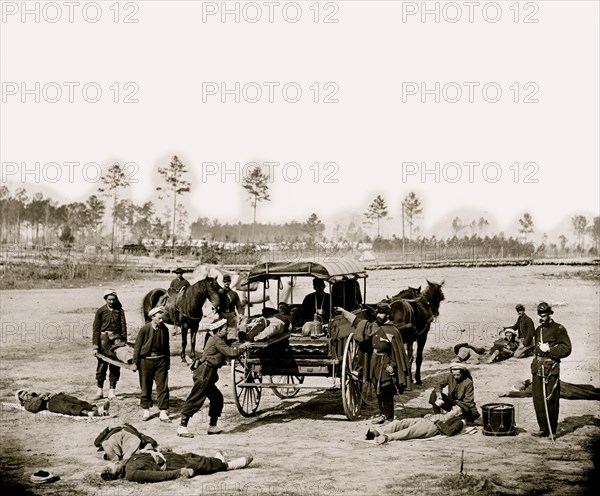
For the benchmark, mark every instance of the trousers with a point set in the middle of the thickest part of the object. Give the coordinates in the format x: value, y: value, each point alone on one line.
x: 154, y: 370
x: 553, y: 392
x: 68, y: 405
x: 205, y: 386
x: 411, y: 428
x: 114, y: 375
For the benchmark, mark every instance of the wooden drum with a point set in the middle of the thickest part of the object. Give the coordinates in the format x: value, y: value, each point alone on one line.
x: 498, y: 419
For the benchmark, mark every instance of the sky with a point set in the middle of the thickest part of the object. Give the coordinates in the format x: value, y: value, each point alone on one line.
x: 482, y: 110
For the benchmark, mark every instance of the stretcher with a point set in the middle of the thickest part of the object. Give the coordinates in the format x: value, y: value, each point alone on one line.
x: 113, y: 361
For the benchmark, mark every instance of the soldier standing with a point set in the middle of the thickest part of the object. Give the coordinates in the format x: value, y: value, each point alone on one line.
x: 108, y: 321
x: 552, y: 343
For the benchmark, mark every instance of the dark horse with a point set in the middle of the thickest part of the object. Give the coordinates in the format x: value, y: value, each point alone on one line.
x: 413, y: 312
x: 187, y: 308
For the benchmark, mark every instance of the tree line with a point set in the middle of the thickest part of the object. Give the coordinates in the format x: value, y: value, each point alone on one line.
x: 40, y: 220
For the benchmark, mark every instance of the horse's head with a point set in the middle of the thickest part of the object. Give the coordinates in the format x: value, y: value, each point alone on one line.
x: 434, y: 294
x: 212, y: 291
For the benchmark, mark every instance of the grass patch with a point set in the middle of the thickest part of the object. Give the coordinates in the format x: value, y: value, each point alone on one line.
x: 442, y: 355
x: 586, y: 275
x: 34, y: 276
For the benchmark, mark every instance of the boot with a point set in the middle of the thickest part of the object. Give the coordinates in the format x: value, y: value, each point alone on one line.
x: 182, y: 431
x: 241, y: 462
x: 99, y: 394
x: 146, y: 415
x: 213, y: 429
x: 164, y: 417
x: 111, y: 394
x: 221, y: 456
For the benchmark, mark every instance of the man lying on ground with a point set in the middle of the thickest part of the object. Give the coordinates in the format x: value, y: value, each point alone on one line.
x: 417, y: 428
x: 60, y: 403
x: 568, y: 391
x: 149, y: 465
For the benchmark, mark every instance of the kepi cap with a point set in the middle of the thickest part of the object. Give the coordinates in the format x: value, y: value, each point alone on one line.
x: 226, y: 278
x: 178, y: 270
x: 544, y: 309
x: 519, y: 307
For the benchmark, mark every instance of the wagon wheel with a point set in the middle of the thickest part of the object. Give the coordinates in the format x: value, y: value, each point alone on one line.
x: 369, y: 393
x: 246, y: 398
x: 352, y: 385
x: 285, y: 380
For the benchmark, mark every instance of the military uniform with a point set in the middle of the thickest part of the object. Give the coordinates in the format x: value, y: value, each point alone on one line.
x: 152, y: 356
x: 108, y: 321
x: 177, y: 284
x: 205, y: 380
x: 230, y: 302
x: 388, y: 368
x: 545, y: 367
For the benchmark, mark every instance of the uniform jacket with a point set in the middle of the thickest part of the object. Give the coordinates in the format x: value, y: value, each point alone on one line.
x: 230, y: 301
x: 36, y: 402
x: 177, y: 284
x: 216, y: 350
x: 525, y: 328
x: 557, y: 338
x: 143, y: 343
x: 107, y: 320
x: 460, y: 393
x: 107, y: 433
x: 388, y: 350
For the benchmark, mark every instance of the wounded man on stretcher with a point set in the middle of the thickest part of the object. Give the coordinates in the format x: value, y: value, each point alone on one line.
x: 263, y: 329
x: 114, y: 346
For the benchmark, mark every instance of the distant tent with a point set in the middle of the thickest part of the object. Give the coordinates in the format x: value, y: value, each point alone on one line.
x: 367, y: 256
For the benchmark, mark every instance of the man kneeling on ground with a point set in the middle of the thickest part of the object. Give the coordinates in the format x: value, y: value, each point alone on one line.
x: 149, y: 465
x: 60, y: 403
x: 460, y: 399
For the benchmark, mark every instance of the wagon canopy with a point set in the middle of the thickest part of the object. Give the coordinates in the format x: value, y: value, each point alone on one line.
x: 334, y: 270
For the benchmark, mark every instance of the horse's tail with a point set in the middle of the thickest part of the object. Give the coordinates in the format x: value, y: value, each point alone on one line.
x: 152, y: 299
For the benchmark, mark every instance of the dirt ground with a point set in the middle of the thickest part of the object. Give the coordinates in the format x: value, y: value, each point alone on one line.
x: 305, y: 446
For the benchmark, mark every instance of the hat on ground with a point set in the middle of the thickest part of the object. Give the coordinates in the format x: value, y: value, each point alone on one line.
x: 155, y: 310
x: 544, y: 309
x: 109, y: 292
x: 226, y: 278
x: 218, y: 324
x: 458, y: 366
x: 43, y: 477
x: 178, y: 270
x: 519, y: 307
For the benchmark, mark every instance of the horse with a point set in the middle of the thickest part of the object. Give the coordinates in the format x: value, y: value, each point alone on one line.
x: 413, y: 316
x: 187, y: 308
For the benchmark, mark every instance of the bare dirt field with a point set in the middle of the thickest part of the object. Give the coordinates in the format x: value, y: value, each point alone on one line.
x: 305, y: 445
